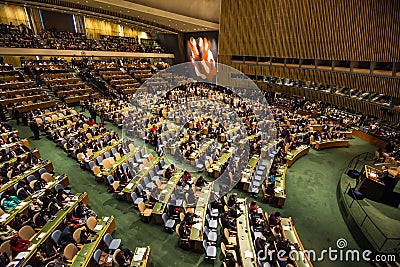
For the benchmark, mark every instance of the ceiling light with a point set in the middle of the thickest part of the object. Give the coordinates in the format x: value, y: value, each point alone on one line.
x: 128, y: 11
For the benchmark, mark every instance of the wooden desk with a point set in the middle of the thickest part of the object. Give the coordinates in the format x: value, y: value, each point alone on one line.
x: 196, y: 154
x: 85, y: 254
x: 370, y: 138
x: 245, y: 181
x: 40, y: 105
x: 216, y: 167
x: 45, y: 233
x: 289, y: 232
x: 23, y: 142
x: 159, y: 207
x: 280, y: 182
x: 105, y: 172
x: 48, y: 165
x: 296, y: 154
x: 131, y: 186
x: 196, y: 232
x: 6, y: 135
x: 7, y: 218
x: 331, y: 143
x: 246, y: 250
x: 316, y: 127
x: 141, y: 257
x: 370, y: 186
x: 346, y: 134
x: 35, y: 152
x: 102, y: 152
x: 78, y: 98
x: 20, y: 99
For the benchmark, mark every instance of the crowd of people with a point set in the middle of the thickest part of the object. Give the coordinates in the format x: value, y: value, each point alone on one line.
x: 68, y: 41
x: 19, y: 36
x: 23, y: 37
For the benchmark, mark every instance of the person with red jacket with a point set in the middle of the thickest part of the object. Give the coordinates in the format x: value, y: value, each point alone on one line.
x: 18, y: 245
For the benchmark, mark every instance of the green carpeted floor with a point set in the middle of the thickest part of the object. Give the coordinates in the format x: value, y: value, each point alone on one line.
x: 311, y: 202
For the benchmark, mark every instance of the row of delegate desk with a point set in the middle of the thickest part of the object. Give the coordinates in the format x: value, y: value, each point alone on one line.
x: 131, y: 186
x: 163, y: 199
x: 196, y: 232
x: 34, y: 106
x: 247, y: 253
x: 289, y: 232
x: 47, y: 164
x: 22, y: 207
x: 28, y: 256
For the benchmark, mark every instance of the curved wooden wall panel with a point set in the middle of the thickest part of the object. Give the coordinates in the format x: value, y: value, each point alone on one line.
x: 356, y: 30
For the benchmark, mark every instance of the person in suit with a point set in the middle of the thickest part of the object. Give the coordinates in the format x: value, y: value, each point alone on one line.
x: 226, y: 222
x: 35, y: 129
x: 184, y: 231
x: 384, y: 174
x: 67, y: 236
x: 124, y: 257
x: 232, y: 200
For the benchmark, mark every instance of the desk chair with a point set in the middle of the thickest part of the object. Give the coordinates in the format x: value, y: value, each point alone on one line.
x: 99, y: 160
x: 168, y: 223
x: 69, y: 252
x: 231, y: 239
x: 97, y: 255
x: 91, y: 223
x: 6, y: 248
x: 42, y: 170
x: 210, y: 235
x: 253, y: 189
x: 135, y: 199
x: 145, y: 212
x: 46, y: 177
x: 77, y: 237
x: 212, y: 223
x: 211, y: 251
x: 31, y: 178
x: 160, y: 185
x: 55, y: 236
x: 119, y: 195
x: 59, y: 187
x: 182, y: 242
x: 225, y: 250
x: 26, y: 232
x: 96, y: 171
x: 111, y: 243
x: 106, y: 163
x: 395, y: 172
x: 213, y: 212
x: 114, y: 257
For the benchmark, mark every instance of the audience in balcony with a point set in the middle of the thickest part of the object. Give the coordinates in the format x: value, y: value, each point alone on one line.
x: 17, y: 36
x: 121, y: 44
x: 68, y: 40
